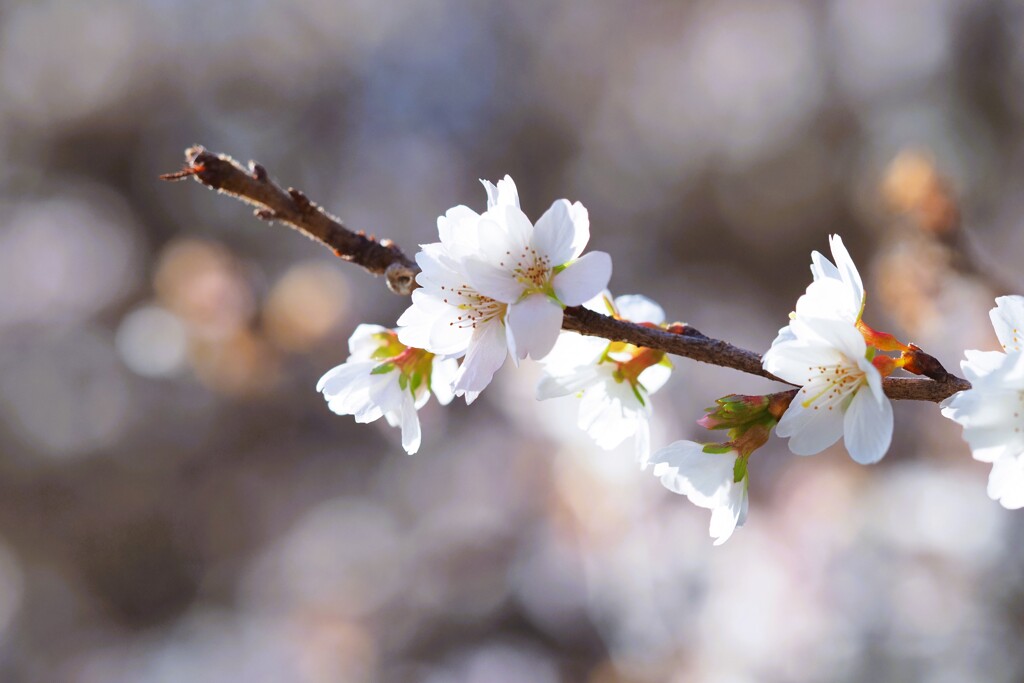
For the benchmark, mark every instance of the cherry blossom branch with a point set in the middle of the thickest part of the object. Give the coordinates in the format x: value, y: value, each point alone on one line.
x: 253, y: 186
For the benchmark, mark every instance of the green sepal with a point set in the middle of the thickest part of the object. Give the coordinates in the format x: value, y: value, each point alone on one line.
x: 718, y: 448
x: 636, y: 392
x: 739, y: 470
x: 403, y: 380
x: 382, y: 369
x: 416, y: 382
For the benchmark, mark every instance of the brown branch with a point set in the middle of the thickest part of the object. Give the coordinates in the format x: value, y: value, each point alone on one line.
x: 224, y: 174
x: 291, y: 207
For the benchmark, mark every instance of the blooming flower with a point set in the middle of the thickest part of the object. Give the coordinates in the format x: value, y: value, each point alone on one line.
x: 710, y: 476
x: 842, y: 390
x: 613, y: 380
x: 497, y: 284
x: 824, y: 351
x: 382, y: 376
x: 992, y: 411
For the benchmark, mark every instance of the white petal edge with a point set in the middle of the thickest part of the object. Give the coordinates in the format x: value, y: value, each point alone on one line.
x: 583, y: 278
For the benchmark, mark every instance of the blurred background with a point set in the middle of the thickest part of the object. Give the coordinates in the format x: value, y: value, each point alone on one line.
x: 178, y: 504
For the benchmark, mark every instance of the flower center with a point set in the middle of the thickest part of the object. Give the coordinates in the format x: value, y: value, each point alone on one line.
x: 532, y: 269
x: 832, y: 384
x: 475, y: 307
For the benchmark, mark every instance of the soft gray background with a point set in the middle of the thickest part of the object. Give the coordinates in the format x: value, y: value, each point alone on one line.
x: 177, y: 504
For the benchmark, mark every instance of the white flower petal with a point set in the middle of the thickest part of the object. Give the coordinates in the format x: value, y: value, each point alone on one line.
x: 459, y: 231
x: 534, y: 323
x: 797, y: 361
x: 605, y: 415
x: 554, y: 386
x: 517, y: 228
x: 486, y: 354
x: 991, y: 418
x: 555, y: 232
x: 639, y: 309
x: 827, y: 299
x: 342, y: 377
x: 384, y: 394
x: 497, y: 283
x: 363, y: 341
x: 572, y: 351
x: 583, y: 278
x: 449, y: 334
x: 847, y: 271
x: 822, y: 268
x: 980, y: 364
x: 642, y: 441
x: 874, y: 379
x: 502, y: 194
x: 811, y: 429
x: 600, y: 303
x: 730, y: 514
x: 410, y: 425
x: 839, y: 334
x: 867, y: 427
x: 1006, y: 483
x: 1008, y: 320
x: 581, y: 220
x: 442, y: 377
x: 655, y: 377
x: 702, y: 477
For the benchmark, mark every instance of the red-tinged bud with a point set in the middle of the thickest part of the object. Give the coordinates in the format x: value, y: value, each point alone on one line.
x: 734, y: 410
x: 749, y: 419
x: 882, y: 341
x: 920, y: 363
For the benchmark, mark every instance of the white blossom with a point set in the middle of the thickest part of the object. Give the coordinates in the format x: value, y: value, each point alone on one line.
x: 497, y: 284
x: 841, y: 394
x: 992, y: 411
x: 383, y: 377
x: 709, y: 478
x: 823, y: 350
x: 614, y: 380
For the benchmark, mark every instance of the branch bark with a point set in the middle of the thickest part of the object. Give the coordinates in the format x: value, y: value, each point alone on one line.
x: 253, y: 186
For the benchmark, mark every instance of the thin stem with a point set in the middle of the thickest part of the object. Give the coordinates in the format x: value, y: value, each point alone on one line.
x: 291, y: 207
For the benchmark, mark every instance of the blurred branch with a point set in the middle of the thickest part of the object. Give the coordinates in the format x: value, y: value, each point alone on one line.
x: 253, y: 186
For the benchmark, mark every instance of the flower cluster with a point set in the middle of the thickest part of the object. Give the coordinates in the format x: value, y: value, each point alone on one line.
x: 496, y: 285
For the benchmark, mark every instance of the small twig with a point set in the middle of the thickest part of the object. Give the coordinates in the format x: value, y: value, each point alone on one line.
x: 292, y: 207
